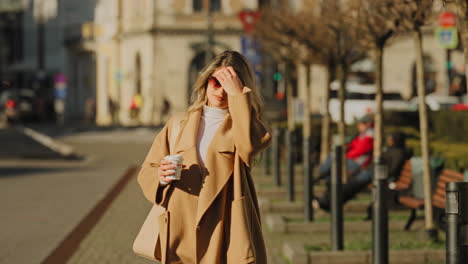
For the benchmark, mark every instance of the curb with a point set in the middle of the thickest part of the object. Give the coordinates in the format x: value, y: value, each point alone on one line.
x: 295, y: 252
x: 64, y: 150
x: 298, y: 206
x: 278, y: 224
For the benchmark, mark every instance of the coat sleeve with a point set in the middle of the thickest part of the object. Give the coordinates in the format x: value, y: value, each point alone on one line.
x: 148, y: 177
x: 249, y: 134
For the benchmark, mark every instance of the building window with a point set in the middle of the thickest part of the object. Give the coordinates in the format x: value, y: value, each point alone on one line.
x: 197, y: 5
x: 263, y: 3
x: 215, y: 5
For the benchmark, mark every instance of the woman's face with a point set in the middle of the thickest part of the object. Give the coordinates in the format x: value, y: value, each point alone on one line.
x: 217, y: 97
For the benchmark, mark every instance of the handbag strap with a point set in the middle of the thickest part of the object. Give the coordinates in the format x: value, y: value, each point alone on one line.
x: 175, y: 131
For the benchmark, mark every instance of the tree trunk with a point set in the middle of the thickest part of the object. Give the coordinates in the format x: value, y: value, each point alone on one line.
x: 423, y: 130
x: 341, y: 122
x: 378, y: 126
x: 325, y: 145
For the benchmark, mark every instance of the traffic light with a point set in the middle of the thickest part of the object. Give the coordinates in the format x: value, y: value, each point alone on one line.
x: 277, y: 76
x: 279, y: 93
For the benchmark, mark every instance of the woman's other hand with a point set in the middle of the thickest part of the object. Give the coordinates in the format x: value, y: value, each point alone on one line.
x: 229, y: 80
x: 166, y: 169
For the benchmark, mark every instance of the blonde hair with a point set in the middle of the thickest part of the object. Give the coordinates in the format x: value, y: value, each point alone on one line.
x: 244, y: 72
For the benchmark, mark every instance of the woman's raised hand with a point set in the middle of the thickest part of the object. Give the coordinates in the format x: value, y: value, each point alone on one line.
x: 229, y: 80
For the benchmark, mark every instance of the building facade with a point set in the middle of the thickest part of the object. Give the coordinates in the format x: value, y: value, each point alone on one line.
x: 156, y: 50
x: 113, y: 52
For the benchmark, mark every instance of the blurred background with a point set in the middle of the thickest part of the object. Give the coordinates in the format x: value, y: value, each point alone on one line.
x: 74, y: 62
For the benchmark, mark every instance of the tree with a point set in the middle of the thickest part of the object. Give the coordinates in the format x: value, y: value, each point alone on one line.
x: 415, y: 14
x: 377, y: 21
x: 328, y: 39
x: 346, y: 50
x: 271, y: 31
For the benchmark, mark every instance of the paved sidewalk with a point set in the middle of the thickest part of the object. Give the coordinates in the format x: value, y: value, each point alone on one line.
x: 110, y: 241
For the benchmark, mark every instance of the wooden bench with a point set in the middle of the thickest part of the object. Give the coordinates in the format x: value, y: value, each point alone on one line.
x: 402, y: 184
x: 438, y: 197
x: 406, y: 178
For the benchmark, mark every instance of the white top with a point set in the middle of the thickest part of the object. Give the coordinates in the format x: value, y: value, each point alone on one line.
x: 210, y: 120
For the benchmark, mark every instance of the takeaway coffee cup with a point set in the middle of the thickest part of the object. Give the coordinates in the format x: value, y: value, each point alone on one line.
x: 176, y: 160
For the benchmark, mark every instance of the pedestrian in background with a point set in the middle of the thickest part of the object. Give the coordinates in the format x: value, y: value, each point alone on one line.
x: 166, y: 109
x: 90, y: 110
x: 135, y: 106
x: 458, y: 85
x: 358, y: 151
x: 394, y: 157
x: 213, y: 213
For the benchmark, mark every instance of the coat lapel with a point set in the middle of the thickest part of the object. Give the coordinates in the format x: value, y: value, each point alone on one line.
x: 219, y: 164
x: 186, y: 145
x: 187, y: 137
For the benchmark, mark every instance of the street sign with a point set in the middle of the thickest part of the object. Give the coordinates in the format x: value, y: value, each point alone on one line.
x: 447, y: 19
x: 249, y: 19
x: 447, y: 37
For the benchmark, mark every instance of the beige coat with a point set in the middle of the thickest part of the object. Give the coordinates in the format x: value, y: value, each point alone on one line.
x: 212, y: 216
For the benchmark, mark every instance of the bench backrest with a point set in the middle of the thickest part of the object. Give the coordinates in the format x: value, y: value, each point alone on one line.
x: 406, y: 177
x: 438, y: 198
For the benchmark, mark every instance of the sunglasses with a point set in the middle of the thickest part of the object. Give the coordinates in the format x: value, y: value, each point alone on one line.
x: 213, y: 81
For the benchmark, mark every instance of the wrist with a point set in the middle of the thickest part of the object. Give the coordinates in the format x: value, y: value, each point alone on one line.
x: 242, y: 90
x: 163, y: 183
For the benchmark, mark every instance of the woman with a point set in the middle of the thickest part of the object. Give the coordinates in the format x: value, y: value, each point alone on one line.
x: 213, y: 214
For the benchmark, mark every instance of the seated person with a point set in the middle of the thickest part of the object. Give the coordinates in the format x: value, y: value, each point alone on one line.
x: 394, y: 157
x: 358, y: 151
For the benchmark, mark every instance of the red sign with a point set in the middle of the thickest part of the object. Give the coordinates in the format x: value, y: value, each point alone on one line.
x: 279, y: 95
x: 249, y: 19
x: 447, y: 19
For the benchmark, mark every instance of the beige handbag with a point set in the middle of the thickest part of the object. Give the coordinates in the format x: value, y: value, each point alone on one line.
x: 147, y: 242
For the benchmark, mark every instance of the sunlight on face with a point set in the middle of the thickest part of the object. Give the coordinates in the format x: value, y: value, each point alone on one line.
x: 217, y: 97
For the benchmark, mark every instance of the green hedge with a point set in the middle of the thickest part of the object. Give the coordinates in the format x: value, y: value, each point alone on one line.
x: 450, y: 125
x: 448, y: 134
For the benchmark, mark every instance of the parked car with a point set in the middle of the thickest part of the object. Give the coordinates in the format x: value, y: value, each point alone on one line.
x: 360, y: 99
x: 17, y: 104
x: 436, y: 102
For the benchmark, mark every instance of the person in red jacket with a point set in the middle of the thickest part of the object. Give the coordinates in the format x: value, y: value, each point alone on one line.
x: 358, y: 151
